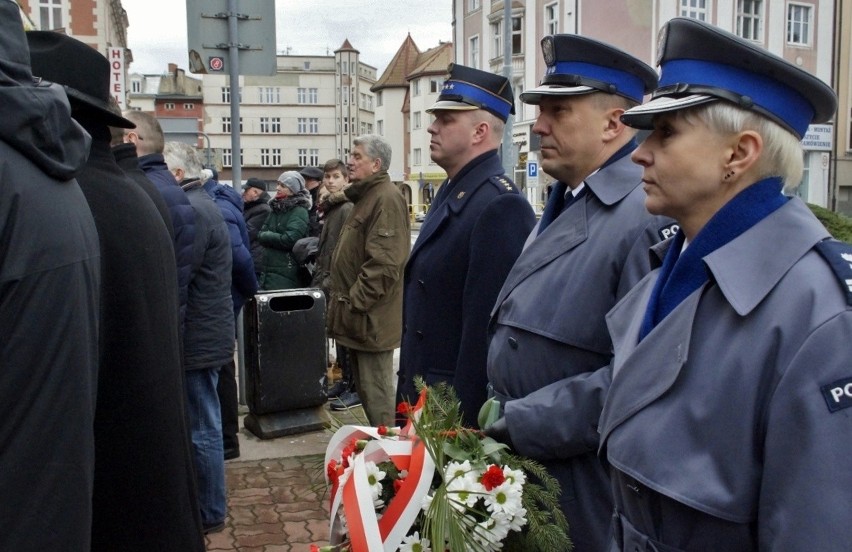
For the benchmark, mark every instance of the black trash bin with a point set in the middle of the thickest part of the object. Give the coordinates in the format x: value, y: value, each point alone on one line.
x: 286, y: 362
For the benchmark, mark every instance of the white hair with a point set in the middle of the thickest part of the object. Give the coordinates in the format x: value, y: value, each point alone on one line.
x: 182, y: 156
x: 782, y: 152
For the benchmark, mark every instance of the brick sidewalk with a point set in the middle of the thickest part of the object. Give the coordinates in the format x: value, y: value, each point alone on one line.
x: 275, y: 505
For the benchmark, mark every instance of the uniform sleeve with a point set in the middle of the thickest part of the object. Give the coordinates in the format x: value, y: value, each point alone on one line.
x: 495, y: 243
x: 807, y: 479
x: 567, y: 411
x: 387, y: 246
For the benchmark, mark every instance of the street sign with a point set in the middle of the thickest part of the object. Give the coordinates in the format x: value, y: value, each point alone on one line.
x: 532, y: 169
x: 208, y: 39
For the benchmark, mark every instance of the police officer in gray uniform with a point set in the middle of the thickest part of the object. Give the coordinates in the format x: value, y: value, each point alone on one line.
x: 728, y: 422
x: 548, y: 336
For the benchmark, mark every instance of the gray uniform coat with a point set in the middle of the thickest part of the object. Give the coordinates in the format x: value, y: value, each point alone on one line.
x: 548, y: 334
x: 726, y: 426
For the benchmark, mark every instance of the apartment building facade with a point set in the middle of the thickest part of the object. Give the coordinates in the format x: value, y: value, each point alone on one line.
x: 305, y: 114
x: 800, y: 31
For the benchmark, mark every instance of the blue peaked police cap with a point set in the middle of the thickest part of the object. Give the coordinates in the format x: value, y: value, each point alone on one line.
x: 581, y: 65
x: 701, y: 63
x: 467, y: 89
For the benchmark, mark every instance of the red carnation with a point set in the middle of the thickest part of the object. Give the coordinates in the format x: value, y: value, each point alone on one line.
x: 383, y: 430
x: 403, y: 408
x: 493, y: 477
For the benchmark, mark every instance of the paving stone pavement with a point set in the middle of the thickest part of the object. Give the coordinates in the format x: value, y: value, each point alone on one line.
x: 274, y: 505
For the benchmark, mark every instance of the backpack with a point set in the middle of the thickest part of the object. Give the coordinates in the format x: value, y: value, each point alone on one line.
x: 305, y: 251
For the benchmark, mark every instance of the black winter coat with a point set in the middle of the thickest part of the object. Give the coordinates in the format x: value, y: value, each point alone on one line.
x: 145, y: 497
x: 49, y: 287
x: 255, y: 214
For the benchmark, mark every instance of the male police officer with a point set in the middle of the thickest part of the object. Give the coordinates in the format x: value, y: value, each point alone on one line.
x: 548, y: 338
x: 467, y: 244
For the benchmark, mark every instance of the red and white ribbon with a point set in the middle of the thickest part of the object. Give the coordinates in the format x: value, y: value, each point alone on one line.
x: 366, y: 532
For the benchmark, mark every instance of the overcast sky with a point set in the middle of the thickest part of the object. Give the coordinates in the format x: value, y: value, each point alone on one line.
x: 376, y: 28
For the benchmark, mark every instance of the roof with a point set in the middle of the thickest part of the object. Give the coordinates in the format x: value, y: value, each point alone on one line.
x: 433, y: 61
x: 405, y: 60
x: 346, y: 47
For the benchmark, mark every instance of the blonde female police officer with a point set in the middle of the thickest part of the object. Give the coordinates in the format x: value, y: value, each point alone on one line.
x: 727, y: 423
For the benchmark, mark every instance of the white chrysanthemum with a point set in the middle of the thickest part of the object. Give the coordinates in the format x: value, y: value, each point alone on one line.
x: 504, y: 499
x: 463, y: 486
x: 515, y: 522
x: 427, y: 501
x: 489, y: 534
x: 413, y: 543
x: 515, y: 477
x: 374, y: 478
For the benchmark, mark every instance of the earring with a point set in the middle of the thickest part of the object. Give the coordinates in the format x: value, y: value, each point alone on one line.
x: 729, y: 175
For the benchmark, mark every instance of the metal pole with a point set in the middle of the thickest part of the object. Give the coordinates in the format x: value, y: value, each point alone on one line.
x: 236, y: 162
x: 506, y: 154
x: 234, y: 71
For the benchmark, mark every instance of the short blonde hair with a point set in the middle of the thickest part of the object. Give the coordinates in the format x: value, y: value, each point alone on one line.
x: 782, y: 152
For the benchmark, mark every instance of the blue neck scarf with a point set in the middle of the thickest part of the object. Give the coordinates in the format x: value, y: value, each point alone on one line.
x: 556, y: 200
x: 682, y: 274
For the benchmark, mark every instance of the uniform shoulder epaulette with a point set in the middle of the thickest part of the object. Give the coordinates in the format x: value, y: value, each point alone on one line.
x: 503, y: 183
x: 838, y: 254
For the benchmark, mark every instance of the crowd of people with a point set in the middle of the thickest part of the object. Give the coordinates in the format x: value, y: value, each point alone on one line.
x: 667, y: 340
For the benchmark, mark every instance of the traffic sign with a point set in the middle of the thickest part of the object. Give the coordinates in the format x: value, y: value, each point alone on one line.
x: 532, y: 169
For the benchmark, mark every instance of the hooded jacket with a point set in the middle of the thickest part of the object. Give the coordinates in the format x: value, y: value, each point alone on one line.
x: 49, y: 287
x: 243, y: 279
x: 285, y: 225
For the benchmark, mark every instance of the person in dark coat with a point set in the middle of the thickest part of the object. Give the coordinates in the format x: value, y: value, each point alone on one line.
x: 49, y: 290
x: 469, y: 241
x: 255, y: 211
x: 547, y: 330
x: 144, y: 491
x: 126, y: 158
x: 208, y: 337
x: 313, y: 182
x: 243, y: 286
x: 149, y: 139
x: 285, y: 225
x: 727, y: 422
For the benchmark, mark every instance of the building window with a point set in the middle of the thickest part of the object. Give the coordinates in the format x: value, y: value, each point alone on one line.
x: 270, y: 125
x: 270, y: 157
x: 226, y: 94
x: 415, y: 121
x: 473, y: 5
x: 307, y: 95
x: 135, y: 86
x: 308, y: 125
x: 416, y: 157
x: 749, y: 21
x: 380, y: 128
x: 378, y: 99
x: 50, y: 13
x: 517, y: 36
x: 695, y: 9
x: 435, y: 85
x: 169, y: 106
x: 344, y: 94
x: 551, y: 19
x: 473, y: 52
x: 307, y: 66
x: 188, y: 106
x: 415, y: 87
x: 799, y: 24
x: 497, y: 39
x: 226, y: 124
x: 308, y: 157
x: 226, y: 157
x: 270, y: 94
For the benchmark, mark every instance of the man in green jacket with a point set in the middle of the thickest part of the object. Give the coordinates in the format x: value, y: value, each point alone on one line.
x: 365, y: 304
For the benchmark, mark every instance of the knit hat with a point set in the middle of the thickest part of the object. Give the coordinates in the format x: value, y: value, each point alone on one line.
x: 292, y: 180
